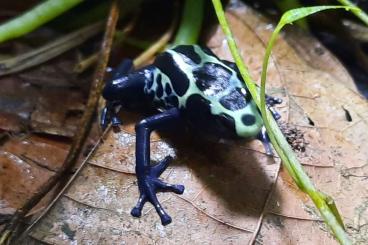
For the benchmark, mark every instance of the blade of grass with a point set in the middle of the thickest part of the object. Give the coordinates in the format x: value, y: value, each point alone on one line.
x: 325, y: 205
x: 356, y: 10
x: 34, y: 18
x: 48, y: 51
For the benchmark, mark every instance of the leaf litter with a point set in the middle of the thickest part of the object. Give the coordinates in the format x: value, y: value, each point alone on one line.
x: 34, y: 124
x: 234, y: 192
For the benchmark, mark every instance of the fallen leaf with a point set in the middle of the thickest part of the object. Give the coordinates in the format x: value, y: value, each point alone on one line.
x: 232, y: 196
x: 26, y: 104
x: 25, y: 164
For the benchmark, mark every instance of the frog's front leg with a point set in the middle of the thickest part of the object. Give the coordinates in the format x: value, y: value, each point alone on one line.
x: 109, y: 112
x: 147, y: 175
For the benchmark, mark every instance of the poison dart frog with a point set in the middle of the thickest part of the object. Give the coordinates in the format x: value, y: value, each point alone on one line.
x: 186, y: 83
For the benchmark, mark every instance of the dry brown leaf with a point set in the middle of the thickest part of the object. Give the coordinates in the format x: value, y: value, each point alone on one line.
x: 227, y: 184
x: 50, y: 103
x: 25, y: 164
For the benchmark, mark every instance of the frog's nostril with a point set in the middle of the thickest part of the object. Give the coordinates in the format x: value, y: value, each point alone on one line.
x: 110, y: 92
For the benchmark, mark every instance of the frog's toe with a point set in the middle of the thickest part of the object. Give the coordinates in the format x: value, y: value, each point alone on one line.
x: 165, y: 219
x: 162, y: 186
x: 271, y: 101
x: 160, y: 167
x: 105, y: 117
x: 137, y: 210
x: 274, y: 113
x: 157, y: 170
x: 277, y: 100
x: 149, y: 184
x: 115, y: 121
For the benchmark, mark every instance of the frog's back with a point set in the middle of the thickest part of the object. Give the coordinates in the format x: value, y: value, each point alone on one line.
x: 209, y: 92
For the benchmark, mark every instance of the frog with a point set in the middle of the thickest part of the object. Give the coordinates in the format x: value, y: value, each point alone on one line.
x: 190, y: 84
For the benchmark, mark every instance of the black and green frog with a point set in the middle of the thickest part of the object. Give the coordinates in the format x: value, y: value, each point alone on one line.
x: 190, y: 84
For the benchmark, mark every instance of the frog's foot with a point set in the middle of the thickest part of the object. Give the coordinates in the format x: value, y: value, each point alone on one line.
x: 263, y: 137
x: 270, y: 102
x: 149, y: 184
x: 109, y: 115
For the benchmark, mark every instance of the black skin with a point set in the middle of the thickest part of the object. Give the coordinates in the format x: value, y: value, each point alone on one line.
x: 131, y: 90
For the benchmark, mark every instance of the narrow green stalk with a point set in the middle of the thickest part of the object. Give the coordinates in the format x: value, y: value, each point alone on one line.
x: 191, y: 23
x: 34, y: 18
x: 324, y: 203
x: 328, y: 212
x: 356, y: 10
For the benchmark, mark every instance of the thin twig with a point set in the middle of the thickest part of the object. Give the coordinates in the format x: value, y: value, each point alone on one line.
x: 295, y: 217
x: 48, y: 51
x: 86, y: 121
x: 157, y: 46
x: 110, y: 168
x: 90, y: 205
x: 264, y: 212
x: 93, y: 58
x: 213, y: 217
x: 87, y: 159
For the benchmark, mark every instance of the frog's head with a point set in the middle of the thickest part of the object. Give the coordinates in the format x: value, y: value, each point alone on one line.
x: 125, y: 90
x: 128, y: 90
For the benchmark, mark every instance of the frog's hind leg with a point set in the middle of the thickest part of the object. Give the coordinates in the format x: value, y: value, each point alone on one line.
x: 148, y: 176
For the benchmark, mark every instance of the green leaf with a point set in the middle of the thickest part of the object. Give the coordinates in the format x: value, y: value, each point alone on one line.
x: 32, y: 19
x: 296, y: 14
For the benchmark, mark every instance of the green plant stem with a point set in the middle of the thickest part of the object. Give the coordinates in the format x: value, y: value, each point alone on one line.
x: 34, y: 18
x: 191, y: 23
x: 356, y: 10
x: 290, y: 161
x: 292, y: 164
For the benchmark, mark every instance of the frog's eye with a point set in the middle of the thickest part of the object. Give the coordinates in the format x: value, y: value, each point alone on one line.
x: 123, y: 68
x: 248, y: 119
